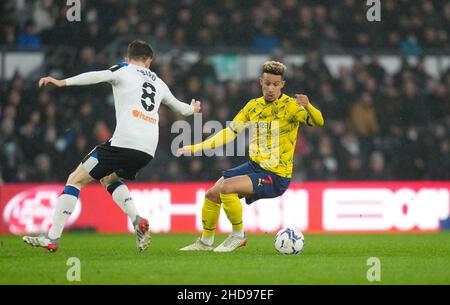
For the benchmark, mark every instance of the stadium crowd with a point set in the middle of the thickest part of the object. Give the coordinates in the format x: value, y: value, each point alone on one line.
x: 410, y: 25
x: 379, y: 126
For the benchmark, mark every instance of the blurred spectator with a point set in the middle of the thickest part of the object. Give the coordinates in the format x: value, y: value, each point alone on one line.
x: 43, y: 171
x: 204, y: 70
x: 363, y: 119
x: 410, y: 46
x: 29, y: 39
x: 375, y: 69
x: 8, y: 35
x: 266, y: 39
x: 314, y: 66
x: 353, y: 170
x: 377, y: 167
x: 44, y: 12
x: 87, y: 61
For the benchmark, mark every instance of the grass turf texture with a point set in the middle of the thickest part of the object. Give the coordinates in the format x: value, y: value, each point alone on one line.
x: 327, y: 259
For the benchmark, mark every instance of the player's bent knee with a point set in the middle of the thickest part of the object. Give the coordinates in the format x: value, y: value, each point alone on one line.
x: 75, y: 181
x: 72, y: 178
x: 78, y: 179
x: 213, y: 195
x: 104, y: 182
x: 227, y: 188
x: 109, y: 180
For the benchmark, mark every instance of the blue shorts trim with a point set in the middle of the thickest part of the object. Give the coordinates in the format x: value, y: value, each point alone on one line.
x: 265, y: 183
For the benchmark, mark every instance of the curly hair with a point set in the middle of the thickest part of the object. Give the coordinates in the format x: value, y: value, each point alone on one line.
x: 274, y: 67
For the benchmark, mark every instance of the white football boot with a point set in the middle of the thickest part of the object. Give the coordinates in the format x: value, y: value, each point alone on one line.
x: 199, y: 245
x: 42, y: 241
x: 142, y: 228
x: 232, y: 243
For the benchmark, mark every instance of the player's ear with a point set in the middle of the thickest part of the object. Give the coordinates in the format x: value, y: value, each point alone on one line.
x: 127, y: 60
x: 261, y: 81
x: 148, y: 62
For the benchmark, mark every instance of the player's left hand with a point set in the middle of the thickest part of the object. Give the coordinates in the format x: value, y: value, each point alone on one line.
x: 197, y: 106
x: 185, y: 151
x: 302, y: 100
x: 50, y: 81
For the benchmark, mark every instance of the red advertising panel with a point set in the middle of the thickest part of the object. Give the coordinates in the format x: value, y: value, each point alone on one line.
x: 176, y: 207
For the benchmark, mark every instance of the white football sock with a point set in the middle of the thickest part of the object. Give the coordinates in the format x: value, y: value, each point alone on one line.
x: 208, y: 240
x: 64, y: 208
x: 121, y: 196
x: 238, y: 233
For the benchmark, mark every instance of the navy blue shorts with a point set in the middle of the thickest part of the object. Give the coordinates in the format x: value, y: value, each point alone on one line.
x: 265, y: 183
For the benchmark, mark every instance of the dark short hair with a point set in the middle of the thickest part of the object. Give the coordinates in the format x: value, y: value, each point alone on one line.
x: 140, y: 50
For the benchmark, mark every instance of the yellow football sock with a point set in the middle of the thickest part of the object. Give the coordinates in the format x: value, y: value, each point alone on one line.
x: 210, y: 217
x: 233, y: 208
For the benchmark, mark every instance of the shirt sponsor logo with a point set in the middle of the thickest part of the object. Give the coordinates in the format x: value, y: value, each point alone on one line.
x: 140, y: 115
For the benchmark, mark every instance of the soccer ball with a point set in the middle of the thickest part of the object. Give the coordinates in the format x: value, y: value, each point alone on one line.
x: 289, y: 241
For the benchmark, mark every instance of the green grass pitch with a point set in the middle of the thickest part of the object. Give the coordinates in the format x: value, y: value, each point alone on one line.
x: 327, y: 259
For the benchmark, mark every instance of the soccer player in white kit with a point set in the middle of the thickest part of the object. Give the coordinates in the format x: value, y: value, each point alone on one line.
x: 138, y: 93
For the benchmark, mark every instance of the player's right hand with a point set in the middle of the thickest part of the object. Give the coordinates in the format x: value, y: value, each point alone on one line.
x: 185, y: 151
x: 197, y: 106
x: 50, y: 81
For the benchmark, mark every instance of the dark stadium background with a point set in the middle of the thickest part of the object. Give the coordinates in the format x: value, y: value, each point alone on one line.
x: 378, y: 126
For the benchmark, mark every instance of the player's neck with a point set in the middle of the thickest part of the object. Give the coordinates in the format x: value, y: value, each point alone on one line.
x: 281, y: 94
x: 138, y: 63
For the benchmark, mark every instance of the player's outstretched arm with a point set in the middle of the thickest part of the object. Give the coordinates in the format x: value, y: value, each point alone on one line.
x: 222, y: 137
x: 179, y: 107
x: 183, y: 108
x: 89, y: 78
x: 51, y: 82
x: 218, y: 140
x: 315, y: 116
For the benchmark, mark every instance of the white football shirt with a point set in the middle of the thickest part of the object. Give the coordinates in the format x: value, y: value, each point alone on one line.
x: 138, y: 93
